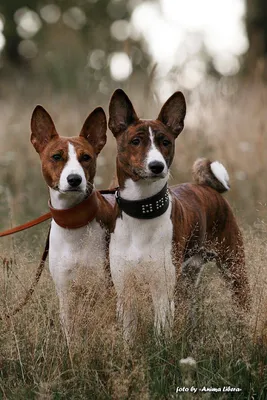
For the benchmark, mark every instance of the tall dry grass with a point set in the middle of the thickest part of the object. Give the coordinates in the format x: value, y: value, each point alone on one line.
x: 35, y: 362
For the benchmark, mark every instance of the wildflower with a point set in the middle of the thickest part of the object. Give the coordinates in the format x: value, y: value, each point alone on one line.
x: 187, y: 364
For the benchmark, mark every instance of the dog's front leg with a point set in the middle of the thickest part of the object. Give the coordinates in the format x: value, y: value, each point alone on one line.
x: 64, y: 309
x: 127, y: 316
x: 61, y: 278
x: 162, y: 288
x: 164, y: 314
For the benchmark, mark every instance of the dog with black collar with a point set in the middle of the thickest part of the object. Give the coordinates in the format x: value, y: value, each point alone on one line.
x: 160, y: 234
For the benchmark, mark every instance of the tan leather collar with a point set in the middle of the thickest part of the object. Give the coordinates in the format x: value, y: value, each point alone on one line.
x: 77, y: 216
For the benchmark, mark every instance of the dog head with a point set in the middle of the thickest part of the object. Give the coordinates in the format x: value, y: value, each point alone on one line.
x: 145, y: 147
x: 68, y: 164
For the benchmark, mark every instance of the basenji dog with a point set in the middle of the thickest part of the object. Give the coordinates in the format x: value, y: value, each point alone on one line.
x: 163, y: 235
x: 81, y: 216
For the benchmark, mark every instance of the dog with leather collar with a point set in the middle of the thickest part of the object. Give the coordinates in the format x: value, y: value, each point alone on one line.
x: 167, y: 247
x: 81, y: 216
x: 77, y: 216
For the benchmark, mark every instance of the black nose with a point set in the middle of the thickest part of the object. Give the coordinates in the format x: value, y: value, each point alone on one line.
x: 156, y: 167
x: 74, y: 180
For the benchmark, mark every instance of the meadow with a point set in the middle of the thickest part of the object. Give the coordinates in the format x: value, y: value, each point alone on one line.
x: 226, y: 121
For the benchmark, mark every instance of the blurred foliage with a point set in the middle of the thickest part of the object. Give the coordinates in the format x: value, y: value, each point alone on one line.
x: 68, y: 43
x: 256, y: 23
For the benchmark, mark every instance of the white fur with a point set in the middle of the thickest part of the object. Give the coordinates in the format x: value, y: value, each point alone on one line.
x: 72, y: 167
x: 154, y: 155
x: 142, y: 189
x: 65, y: 200
x: 141, y: 250
x: 71, y: 250
x: 220, y: 173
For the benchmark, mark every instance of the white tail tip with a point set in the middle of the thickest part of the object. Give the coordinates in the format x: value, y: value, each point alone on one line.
x: 220, y: 173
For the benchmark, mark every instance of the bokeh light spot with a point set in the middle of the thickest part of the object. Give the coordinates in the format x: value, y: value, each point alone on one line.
x: 2, y: 41
x: 28, y: 49
x: 120, y: 66
x: 75, y: 18
x: 50, y: 13
x: 96, y: 59
x: 28, y: 22
x: 120, y: 30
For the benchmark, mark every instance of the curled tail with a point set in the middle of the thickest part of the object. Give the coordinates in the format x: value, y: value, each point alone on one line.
x: 211, y: 174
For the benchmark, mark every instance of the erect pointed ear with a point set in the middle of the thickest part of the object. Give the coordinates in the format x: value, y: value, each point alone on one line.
x: 121, y: 112
x: 42, y: 127
x: 173, y: 113
x: 95, y: 129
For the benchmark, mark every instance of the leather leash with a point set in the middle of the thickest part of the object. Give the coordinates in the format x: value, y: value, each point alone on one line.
x: 27, y: 225
x: 34, y: 283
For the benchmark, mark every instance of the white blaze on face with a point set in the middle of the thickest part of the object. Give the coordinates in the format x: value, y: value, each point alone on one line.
x: 72, y: 167
x: 154, y: 155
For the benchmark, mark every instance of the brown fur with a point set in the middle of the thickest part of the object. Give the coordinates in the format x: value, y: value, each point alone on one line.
x: 203, y: 218
x: 130, y: 161
x: 59, y: 145
x: 105, y: 210
x: 203, y: 221
x: 91, y: 140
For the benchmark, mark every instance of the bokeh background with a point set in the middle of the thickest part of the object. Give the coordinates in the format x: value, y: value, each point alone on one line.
x: 70, y: 56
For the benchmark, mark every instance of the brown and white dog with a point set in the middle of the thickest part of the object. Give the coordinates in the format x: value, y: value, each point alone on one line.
x: 162, y: 236
x: 81, y: 215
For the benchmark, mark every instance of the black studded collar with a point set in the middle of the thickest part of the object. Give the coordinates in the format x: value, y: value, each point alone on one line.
x: 148, y: 208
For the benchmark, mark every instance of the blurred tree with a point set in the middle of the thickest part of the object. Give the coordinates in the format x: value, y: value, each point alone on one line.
x: 8, y: 9
x: 73, y: 43
x: 256, y: 22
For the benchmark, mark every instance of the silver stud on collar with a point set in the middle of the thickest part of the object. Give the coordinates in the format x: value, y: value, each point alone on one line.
x: 147, y: 208
x: 160, y: 203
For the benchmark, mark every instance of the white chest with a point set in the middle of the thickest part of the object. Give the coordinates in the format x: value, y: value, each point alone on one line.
x: 143, y: 248
x: 73, y: 249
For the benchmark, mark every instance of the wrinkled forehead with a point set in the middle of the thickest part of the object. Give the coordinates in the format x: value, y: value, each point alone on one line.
x: 149, y: 128
x: 66, y: 145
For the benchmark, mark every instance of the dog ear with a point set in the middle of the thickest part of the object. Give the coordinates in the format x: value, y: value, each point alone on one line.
x: 95, y: 129
x: 42, y: 128
x: 173, y: 113
x: 121, y: 112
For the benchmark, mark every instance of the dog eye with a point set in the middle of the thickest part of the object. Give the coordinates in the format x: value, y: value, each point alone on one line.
x: 166, y: 142
x: 57, y: 157
x: 136, y: 141
x: 85, y: 157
